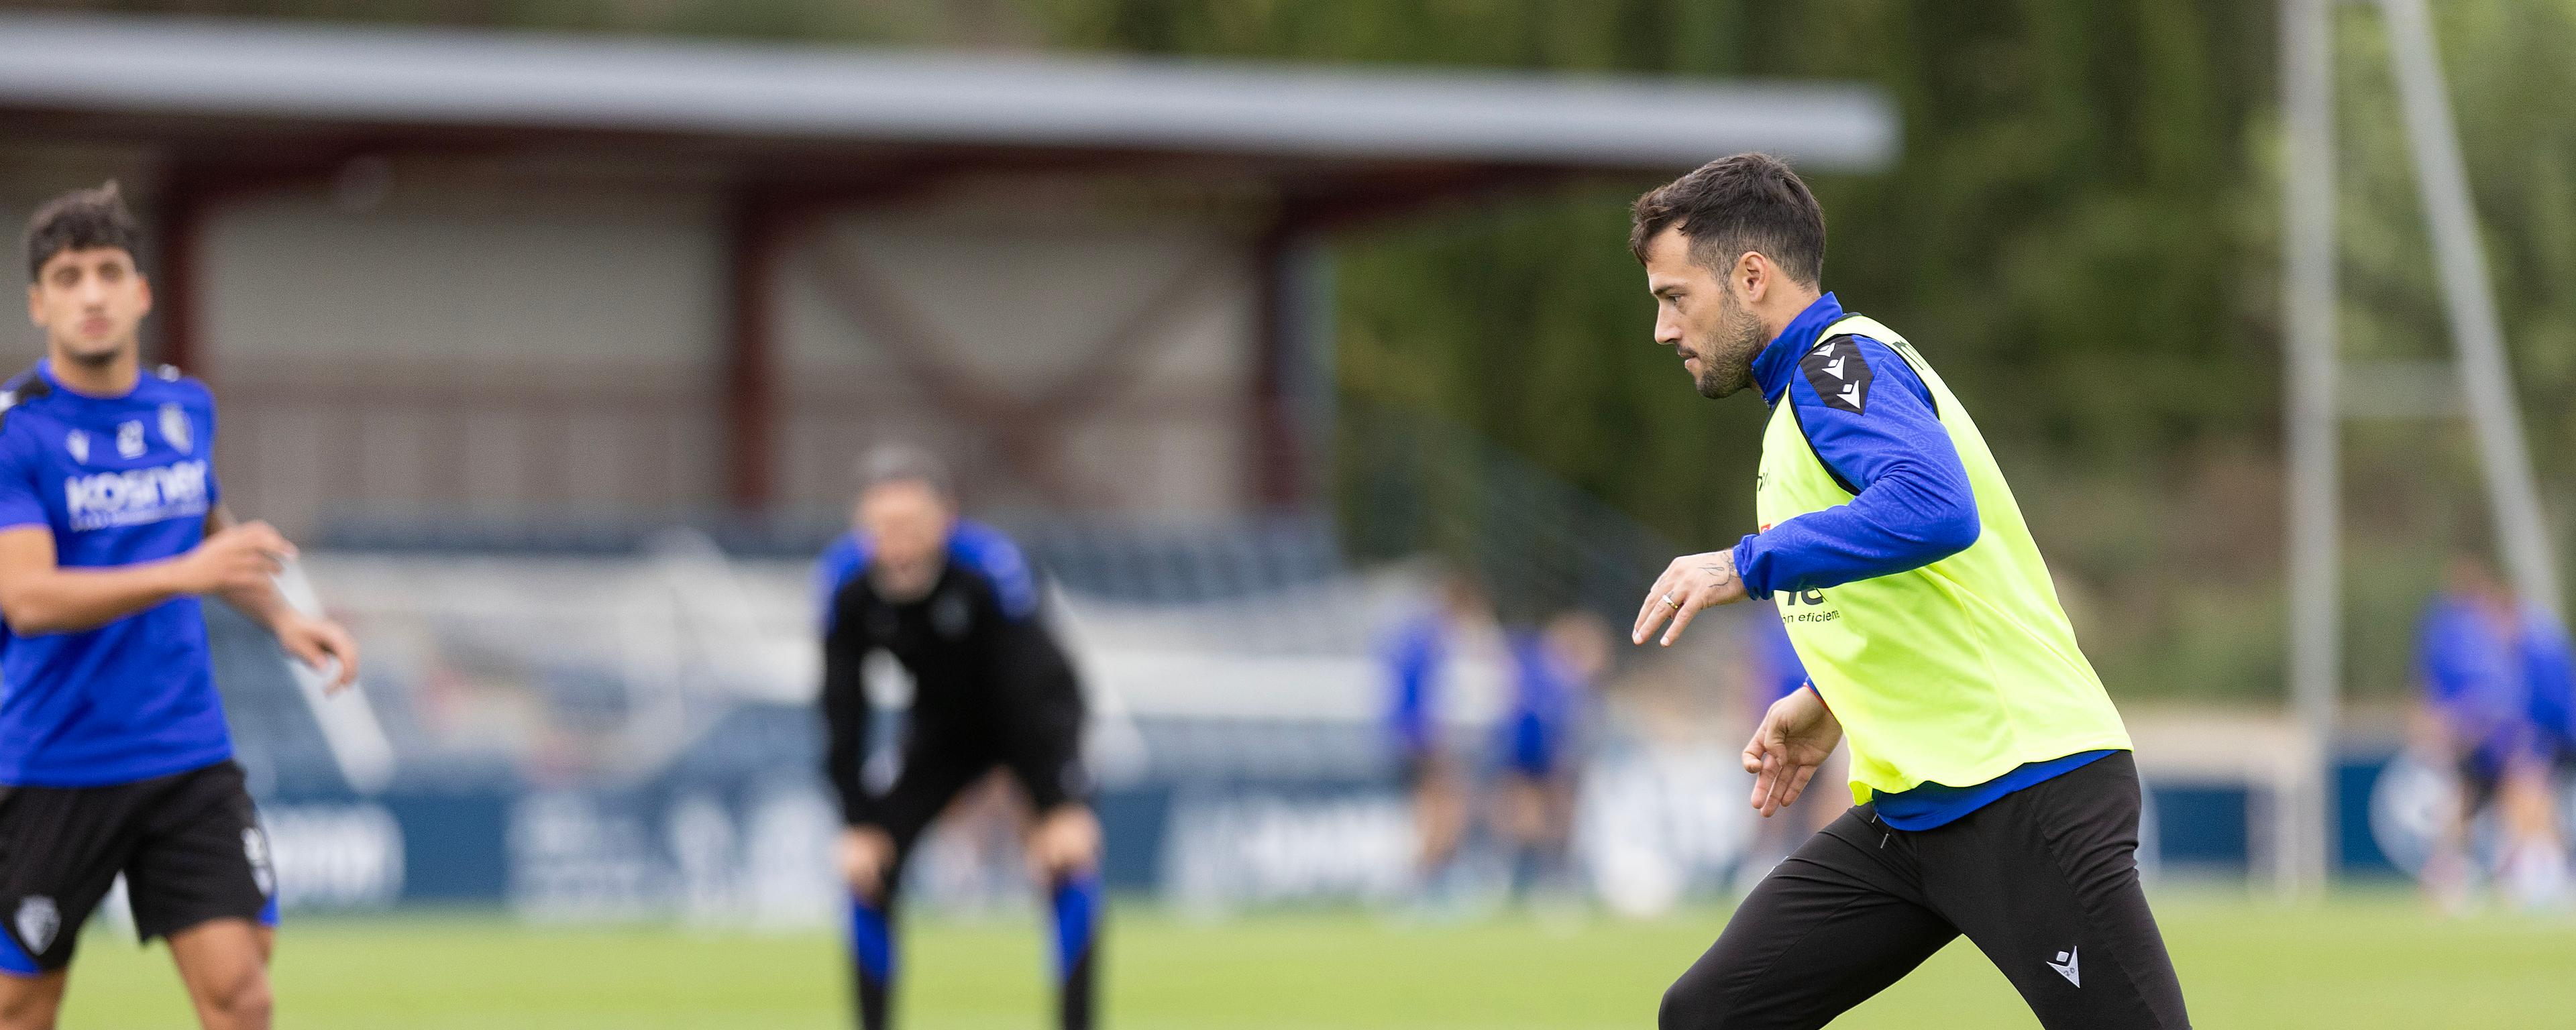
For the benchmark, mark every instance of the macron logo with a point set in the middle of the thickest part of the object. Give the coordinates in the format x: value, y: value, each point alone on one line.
x: 138, y: 496
x: 2065, y: 966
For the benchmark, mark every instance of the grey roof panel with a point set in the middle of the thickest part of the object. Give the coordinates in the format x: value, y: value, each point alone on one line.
x: 444, y: 77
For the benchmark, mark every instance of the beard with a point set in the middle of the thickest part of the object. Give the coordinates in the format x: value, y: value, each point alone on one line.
x: 94, y: 352
x: 99, y: 356
x: 906, y: 582
x: 1726, y: 353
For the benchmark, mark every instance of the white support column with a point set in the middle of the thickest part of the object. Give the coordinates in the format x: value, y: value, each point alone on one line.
x: 2308, y: 310
x: 2477, y: 335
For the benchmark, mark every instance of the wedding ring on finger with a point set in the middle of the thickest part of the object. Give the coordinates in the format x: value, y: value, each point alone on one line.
x: 1668, y: 600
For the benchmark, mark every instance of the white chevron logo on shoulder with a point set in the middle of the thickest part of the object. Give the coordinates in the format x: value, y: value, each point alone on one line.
x: 2065, y: 966
x: 1834, y: 368
x: 1851, y: 394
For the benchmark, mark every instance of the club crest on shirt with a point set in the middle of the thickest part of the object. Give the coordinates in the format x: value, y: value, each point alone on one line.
x: 1840, y: 376
x: 77, y: 443
x: 174, y: 427
x: 949, y: 616
x: 37, y: 922
x: 129, y: 439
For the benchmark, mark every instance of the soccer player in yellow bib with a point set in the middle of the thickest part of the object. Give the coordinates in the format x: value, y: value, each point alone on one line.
x: 1994, y: 791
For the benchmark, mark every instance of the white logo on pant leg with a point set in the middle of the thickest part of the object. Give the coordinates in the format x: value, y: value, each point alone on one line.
x: 38, y: 920
x: 255, y: 848
x: 2065, y: 966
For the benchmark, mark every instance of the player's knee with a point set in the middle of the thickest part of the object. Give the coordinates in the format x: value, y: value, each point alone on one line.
x: 242, y: 1002
x: 20, y: 1010
x: 1691, y: 1004
x: 1676, y: 1011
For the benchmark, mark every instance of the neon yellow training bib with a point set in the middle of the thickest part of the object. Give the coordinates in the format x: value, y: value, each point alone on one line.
x: 1954, y: 673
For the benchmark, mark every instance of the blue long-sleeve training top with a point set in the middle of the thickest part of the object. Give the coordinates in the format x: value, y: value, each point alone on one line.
x: 1876, y: 429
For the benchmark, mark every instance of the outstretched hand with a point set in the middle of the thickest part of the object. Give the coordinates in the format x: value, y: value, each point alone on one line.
x: 1795, y: 737
x: 1691, y: 583
x: 323, y: 646
x: 234, y: 558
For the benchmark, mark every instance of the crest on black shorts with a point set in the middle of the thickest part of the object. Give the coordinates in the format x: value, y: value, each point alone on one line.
x: 37, y: 922
x: 1839, y: 374
x: 255, y: 848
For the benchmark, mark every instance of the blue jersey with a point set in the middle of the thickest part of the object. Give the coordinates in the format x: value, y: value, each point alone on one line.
x: 1416, y: 656
x: 2467, y: 665
x: 2549, y: 680
x: 117, y: 481
x: 1538, y: 729
x: 990, y: 555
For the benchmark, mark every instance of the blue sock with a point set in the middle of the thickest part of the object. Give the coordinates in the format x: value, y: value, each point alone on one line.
x: 872, y: 955
x: 1077, y: 902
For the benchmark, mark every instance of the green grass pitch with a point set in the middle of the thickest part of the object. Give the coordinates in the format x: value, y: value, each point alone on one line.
x: 2362, y: 961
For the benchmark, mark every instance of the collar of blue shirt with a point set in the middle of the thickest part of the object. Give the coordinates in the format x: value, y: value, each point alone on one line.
x: 1771, y: 367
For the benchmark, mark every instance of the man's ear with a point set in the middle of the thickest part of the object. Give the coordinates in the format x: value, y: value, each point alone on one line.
x: 145, y: 285
x: 36, y: 304
x: 1753, y: 272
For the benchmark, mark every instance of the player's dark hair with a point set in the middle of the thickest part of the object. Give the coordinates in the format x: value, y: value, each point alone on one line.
x: 1732, y: 205
x: 81, y: 220
x: 904, y: 463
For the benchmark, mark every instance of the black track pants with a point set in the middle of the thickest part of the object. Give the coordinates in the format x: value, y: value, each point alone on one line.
x: 2044, y: 880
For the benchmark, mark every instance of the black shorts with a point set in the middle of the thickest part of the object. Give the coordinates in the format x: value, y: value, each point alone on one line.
x: 2044, y: 881
x: 189, y: 844
x: 938, y: 766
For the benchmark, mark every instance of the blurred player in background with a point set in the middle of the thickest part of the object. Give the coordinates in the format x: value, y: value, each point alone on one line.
x: 958, y: 606
x: 1997, y: 794
x: 2548, y: 664
x: 2549, y: 673
x: 1540, y: 746
x: 114, y: 755
x: 1422, y: 656
x: 2496, y: 713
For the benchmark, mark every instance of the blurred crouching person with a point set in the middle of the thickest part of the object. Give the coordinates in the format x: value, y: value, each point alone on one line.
x: 2495, y: 713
